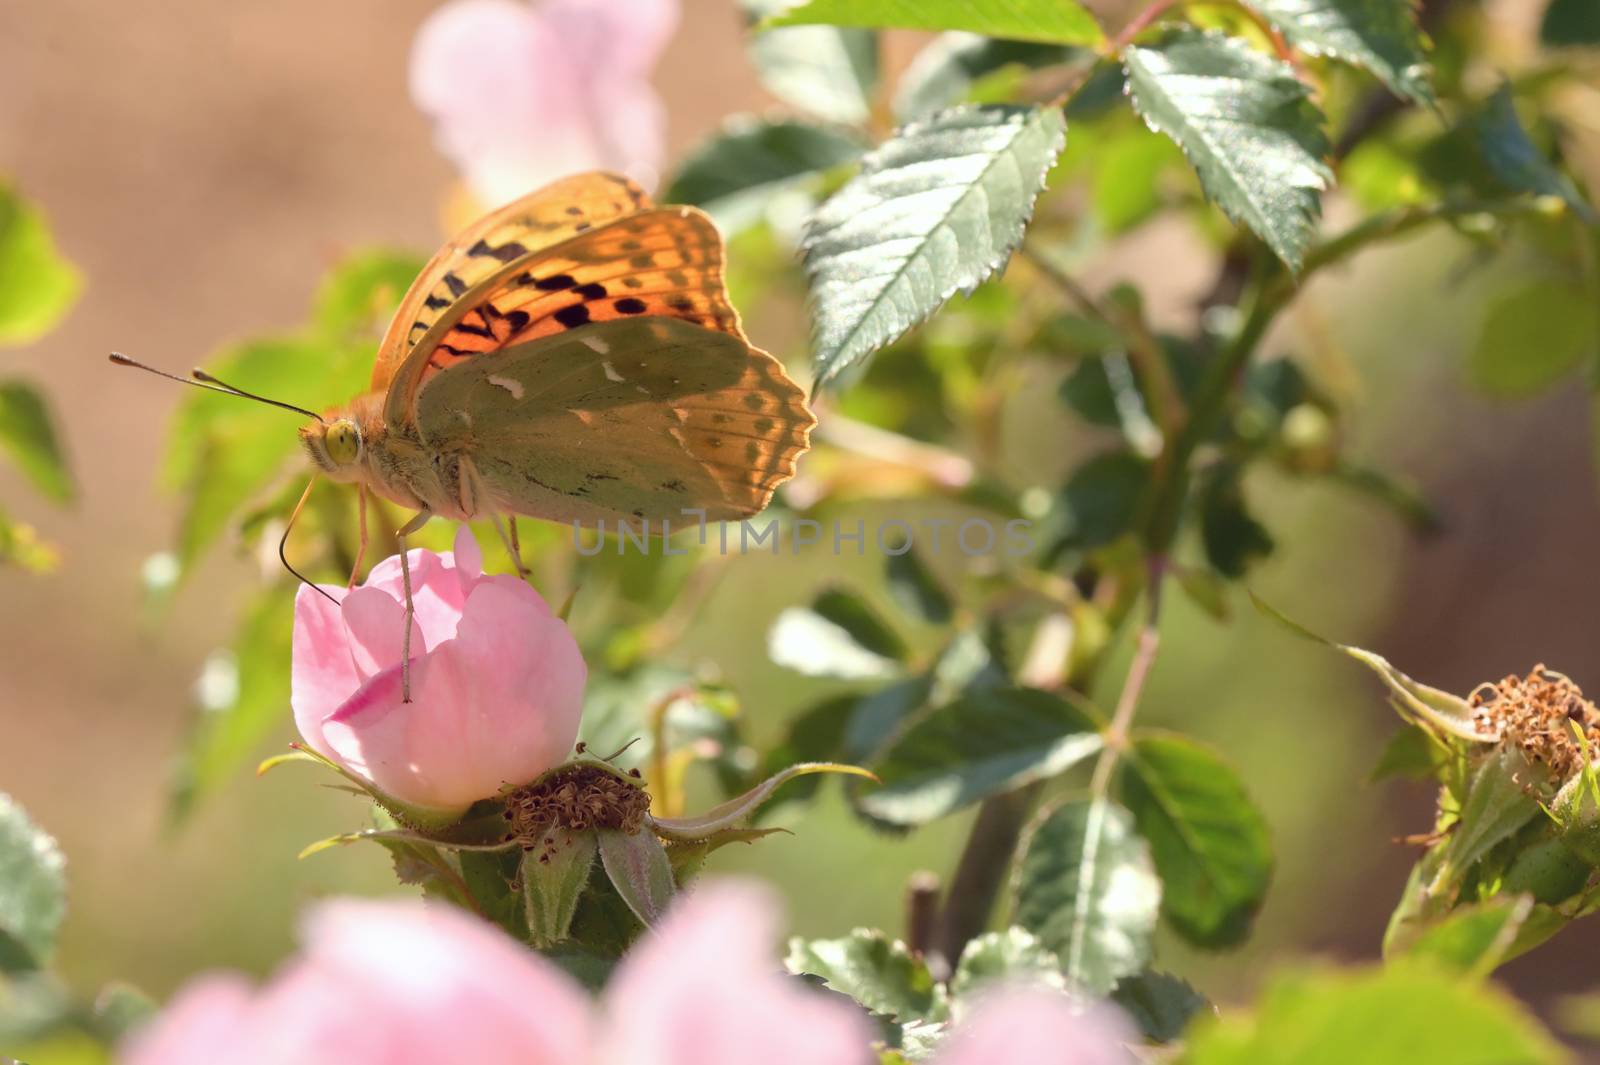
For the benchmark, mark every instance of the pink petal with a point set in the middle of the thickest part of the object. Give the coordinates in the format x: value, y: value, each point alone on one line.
x: 706, y: 989
x: 1038, y: 1026
x: 200, y: 1025
x: 322, y: 675
x: 377, y: 622
x: 629, y: 37
x: 436, y: 590
x: 468, y: 559
x: 495, y: 706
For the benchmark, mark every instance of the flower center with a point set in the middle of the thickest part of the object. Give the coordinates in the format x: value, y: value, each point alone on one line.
x: 1537, y: 713
x: 575, y: 798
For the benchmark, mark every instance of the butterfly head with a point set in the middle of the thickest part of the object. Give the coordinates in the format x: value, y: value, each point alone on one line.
x: 334, y: 445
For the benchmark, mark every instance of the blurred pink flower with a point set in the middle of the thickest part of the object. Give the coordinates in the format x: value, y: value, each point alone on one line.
x: 408, y: 983
x: 380, y: 983
x: 496, y: 680
x: 1038, y: 1026
x: 526, y: 92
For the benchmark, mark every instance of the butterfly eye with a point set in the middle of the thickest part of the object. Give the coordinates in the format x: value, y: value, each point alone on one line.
x: 343, y: 442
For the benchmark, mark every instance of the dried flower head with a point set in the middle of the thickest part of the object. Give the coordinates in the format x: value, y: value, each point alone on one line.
x: 1537, y: 713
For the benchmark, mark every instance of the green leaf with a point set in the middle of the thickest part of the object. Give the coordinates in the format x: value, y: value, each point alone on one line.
x: 243, y: 696
x: 915, y: 588
x: 1498, y: 804
x: 1101, y: 499
x: 1400, y: 1015
x: 1247, y: 125
x: 1014, y: 956
x: 37, y: 285
x: 489, y: 876
x: 1086, y: 887
x: 828, y: 72
x: 1162, y: 1005
x: 27, y: 433
x: 1570, y: 22
x: 638, y: 867
x: 976, y: 747
x: 1515, y: 161
x: 945, y: 72
x: 736, y: 173
x: 1058, y: 21
x: 1233, y: 538
x: 21, y: 547
x: 1380, y: 36
x: 935, y: 210
x: 553, y: 879
x: 33, y: 890
x: 1411, y: 753
x: 1533, y: 336
x: 877, y: 972
x: 362, y: 292
x: 1209, y: 841
x: 1474, y: 940
x: 840, y: 635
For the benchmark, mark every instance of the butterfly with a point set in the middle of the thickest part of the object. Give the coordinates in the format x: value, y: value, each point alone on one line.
x: 572, y: 356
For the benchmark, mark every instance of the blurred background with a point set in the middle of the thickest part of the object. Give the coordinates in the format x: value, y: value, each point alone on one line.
x: 203, y: 164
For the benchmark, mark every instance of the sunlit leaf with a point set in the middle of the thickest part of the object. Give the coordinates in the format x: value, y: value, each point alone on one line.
x: 553, y: 878
x: 975, y: 747
x: 1399, y: 1015
x: 1086, y: 887
x: 1246, y: 124
x: 1058, y: 21
x: 1012, y: 956
x: 1532, y: 337
x: 1474, y: 940
x: 735, y: 174
x: 1208, y: 839
x: 33, y: 890
x: 839, y: 635
x: 936, y: 209
x: 37, y: 285
x: 1380, y: 35
x: 877, y: 972
x: 28, y: 435
x: 825, y: 71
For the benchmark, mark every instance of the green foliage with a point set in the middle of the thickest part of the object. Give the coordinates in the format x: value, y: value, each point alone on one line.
x: 638, y: 868
x: 1012, y: 956
x: 1534, y: 335
x: 1207, y: 838
x: 829, y: 72
x: 33, y: 891
x: 553, y: 880
x: 243, y: 694
x: 1570, y: 22
x: 1402, y: 1015
x: 1162, y: 1005
x: 1058, y: 21
x: 934, y: 211
x: 29, y: 435
x: 840, y: 635
x: 975, y: 747
x: 735, y: 175
x: 1246, y: 123
x: 877, y: 972
x: 1379, y: 35
x: 951, y: 68
x: 37, y: 286
x: 1087, y: 888
x: 1514, y: 160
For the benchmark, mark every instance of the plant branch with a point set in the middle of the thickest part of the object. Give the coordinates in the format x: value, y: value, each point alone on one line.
x: 1144, y: 657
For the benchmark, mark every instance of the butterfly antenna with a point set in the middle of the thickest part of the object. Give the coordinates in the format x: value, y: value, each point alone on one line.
x: 201, y: 379
x: 283, y: 543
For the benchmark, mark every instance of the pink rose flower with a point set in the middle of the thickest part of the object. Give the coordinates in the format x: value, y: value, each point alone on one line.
x: 496, y: 680
x: 411, y: 983
x: 1038, y: 1026
x: 523, y: 93
x: 380, y: 983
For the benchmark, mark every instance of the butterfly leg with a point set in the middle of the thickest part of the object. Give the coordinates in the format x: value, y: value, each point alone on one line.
x: 510, y: 541
x: 361, y: 547
x: 411, y: 611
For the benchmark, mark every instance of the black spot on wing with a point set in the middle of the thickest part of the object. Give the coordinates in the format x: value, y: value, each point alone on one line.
x: 435, y: 303
x: 505, y: 253
x: 456, y: 286
x: 554, y: 283
x: 572, y: 316
x: 592, y: 291
x: 630, y: 305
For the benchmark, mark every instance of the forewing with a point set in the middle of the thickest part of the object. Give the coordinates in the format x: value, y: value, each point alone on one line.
x: 666, y: 262
x: 632, y: 418
x: 545, y: 217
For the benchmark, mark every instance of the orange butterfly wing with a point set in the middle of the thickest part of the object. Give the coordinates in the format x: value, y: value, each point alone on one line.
x: 545, y: 217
